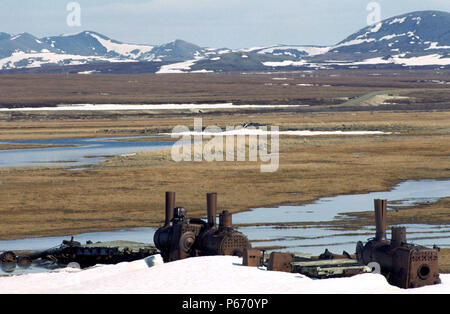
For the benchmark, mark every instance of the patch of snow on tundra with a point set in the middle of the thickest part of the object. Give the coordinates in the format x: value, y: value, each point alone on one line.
x: 179, y: 67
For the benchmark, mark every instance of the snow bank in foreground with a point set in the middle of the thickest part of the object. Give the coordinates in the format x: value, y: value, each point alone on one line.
x: 206, y: 275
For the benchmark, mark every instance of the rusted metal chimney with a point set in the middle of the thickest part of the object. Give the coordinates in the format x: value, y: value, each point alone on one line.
x: 380, y: 219
x: 398, y: 236
x: 225, y: 219
x: 211, y: 207
x: 170, y: 205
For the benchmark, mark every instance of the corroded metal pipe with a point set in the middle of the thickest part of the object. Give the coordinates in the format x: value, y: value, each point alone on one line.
x: 380, y: 219
x: 398, y: 236
x: 211, y: 206
x: 225, y: 219
x: 170, y: 205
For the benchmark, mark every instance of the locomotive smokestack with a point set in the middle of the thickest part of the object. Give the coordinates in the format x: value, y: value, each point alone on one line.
x: 170, y: 205
x: 211, y: 206
x: 380, y: 219
x: 398, y: 237
x: 225, y: 220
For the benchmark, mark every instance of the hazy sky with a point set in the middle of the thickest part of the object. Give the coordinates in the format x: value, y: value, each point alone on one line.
x: 212, y: 23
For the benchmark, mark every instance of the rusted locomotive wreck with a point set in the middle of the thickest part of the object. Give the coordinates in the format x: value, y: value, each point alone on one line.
x: 182, y: 237
x: 84, y: 256
x: 405, y: 265
x: 179, y: 238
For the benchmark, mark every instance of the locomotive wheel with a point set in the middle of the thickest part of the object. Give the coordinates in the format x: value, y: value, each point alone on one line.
x: 8, y: 261
x: 187, y: 241
x: 24, y: 261
x: 8, y: 257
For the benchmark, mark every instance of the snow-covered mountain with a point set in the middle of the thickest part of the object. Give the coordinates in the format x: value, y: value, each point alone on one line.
x: 413, y: 39
x: 27, y: 51
x: 416, y: 32
x: 94, y: 44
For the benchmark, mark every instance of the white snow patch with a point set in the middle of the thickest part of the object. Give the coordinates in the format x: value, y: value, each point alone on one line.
x: 248, y: 131
x: 126, y: 50
x: 224, y: 51
x: 202, y: 278
x: 376, y: 28
x: 15, y: 37
x: 202, y: 71
x: 88, y: 72
x: 387, y: 37
x: 309, y: 50
x: 69, y: 34
x: 250, y: 49
x: 433, y: 59
x: 355, y: 42
x: 397, y: 20
x: 179, y: 67
x: 106, y: 107
x: 284, y: 63
x: 435, y: 45
x: 38, y: 59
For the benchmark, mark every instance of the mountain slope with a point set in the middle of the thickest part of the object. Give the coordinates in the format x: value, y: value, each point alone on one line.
x: 416, y: 33
x: 90, y: 43
x: 174, y: 51
x: 22, y: 42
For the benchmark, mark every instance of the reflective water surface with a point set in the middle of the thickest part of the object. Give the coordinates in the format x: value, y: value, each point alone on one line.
x: 82, y: 151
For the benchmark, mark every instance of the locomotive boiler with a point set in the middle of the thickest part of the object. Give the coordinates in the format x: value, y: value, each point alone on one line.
x: 403, y: 264
x: 182, y: 237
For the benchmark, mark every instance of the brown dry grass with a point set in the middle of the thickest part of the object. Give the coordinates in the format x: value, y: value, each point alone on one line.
x: 329, y: 86
x: 129, y: 191
x: 125, y: 124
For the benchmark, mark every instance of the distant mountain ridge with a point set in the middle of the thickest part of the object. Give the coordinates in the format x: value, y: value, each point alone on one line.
x: 414, y: 39
x: 412, y: 32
